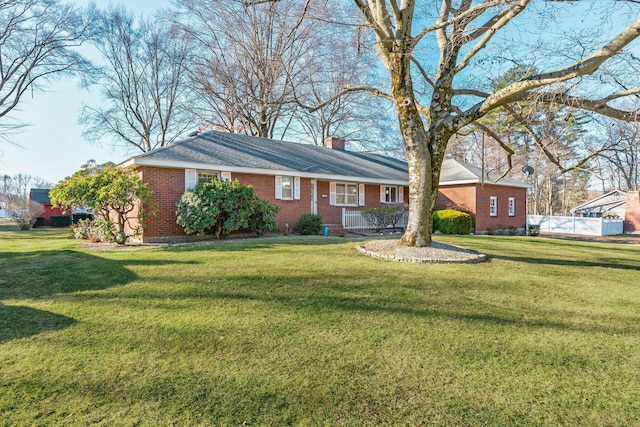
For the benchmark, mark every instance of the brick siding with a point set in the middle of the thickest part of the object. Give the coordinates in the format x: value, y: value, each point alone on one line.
x: 476, y: 198
x: 167, y: 185
x: 632, y: 213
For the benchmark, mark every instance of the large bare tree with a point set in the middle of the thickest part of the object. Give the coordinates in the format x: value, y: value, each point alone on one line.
x: 37, y: 44
x: 622, y: 159
x: 142, y: 79
x: 459, y: 31
x: 246, y: 61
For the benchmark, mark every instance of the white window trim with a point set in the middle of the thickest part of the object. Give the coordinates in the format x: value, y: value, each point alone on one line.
x: 399, y: 194
x: 191, y: 177
x: 493, y: 206
x: 295, y: 190
x: 360, y: 195
x: 512, y: 206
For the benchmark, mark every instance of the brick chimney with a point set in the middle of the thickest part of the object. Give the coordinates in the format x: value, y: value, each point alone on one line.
x: 335, y: 143
x: 632, y: 213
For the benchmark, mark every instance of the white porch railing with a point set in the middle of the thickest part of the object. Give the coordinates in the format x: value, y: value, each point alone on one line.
x: 353, y: 220
x: 576, y: 225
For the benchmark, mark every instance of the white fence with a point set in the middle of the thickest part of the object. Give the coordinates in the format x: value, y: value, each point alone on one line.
x: 353, y: 220
x: 576, y: 225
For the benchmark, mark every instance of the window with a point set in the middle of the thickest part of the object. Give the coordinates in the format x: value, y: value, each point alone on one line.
x: 287, y: 188
x: 512, y: 206
x: 391, y: 194
x: 346, y: 194
x: 205, y: 176
x: 493, y: 206
x: 194, y: 176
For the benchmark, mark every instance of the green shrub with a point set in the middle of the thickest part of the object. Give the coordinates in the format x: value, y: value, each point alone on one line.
x: 309, y: 224
x: 60, y: 221
x: 263, y: 219
x: 105, y: 230
x: 39, y: 222
x: 449, y: 221
x: 381, y: 218
x: 81, y: 216
x: 378, y: 218
x: 221, y: 207
x: 97, y: 230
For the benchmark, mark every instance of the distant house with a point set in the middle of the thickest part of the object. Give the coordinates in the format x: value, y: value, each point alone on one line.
x: 611, y: 204
x: 303, y: 178
x: 41, y: 195
x: 614, y: 204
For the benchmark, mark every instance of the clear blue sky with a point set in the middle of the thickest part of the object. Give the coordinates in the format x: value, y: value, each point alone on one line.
x: 52, y: 147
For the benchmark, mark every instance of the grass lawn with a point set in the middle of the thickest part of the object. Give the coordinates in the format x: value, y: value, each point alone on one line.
x: 306, y: 331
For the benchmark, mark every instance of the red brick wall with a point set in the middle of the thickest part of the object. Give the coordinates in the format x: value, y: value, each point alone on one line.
x: 460, y: 195
x: 502, y: 220
x: 290, y: 210
x: 167, y: 186
x: 632, y: 213
x: 476, y: 198
x: 333, y: 214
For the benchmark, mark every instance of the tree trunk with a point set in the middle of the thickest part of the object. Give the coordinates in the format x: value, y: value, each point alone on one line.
x: 424, y: 149
x: 419, y: 223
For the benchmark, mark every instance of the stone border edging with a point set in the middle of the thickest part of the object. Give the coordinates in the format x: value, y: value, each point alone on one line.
x: 476, y: 258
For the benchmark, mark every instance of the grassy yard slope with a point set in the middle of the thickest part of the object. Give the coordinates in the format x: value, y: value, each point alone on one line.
x: 305, y: 331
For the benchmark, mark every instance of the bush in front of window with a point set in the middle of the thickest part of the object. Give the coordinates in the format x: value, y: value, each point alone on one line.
x: 309, y: 224
x: 263, y: 219
x: 450, y: 221
x: 220, y: 207
x: 379, y: 218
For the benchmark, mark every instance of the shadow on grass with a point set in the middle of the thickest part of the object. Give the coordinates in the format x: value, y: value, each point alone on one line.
x: 567, y: 262
x: 44, y: 274
x: 258, y: 243
x: 19, y: 322
x: 547, y: 319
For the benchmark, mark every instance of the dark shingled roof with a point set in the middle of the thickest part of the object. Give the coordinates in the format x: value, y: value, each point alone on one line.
x: 454, y: 170
x: 236, y: 150
x: 219, y: 148
x: 40, y: 195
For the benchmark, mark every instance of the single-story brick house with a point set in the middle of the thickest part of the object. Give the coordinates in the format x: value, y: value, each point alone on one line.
x: 303, y: 178
x: 41, y: 195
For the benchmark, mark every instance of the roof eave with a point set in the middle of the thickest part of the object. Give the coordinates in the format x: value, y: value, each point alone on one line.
x: 477, y: 181
x: 259, y: 171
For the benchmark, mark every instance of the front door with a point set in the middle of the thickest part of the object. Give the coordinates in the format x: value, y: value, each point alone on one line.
x: 314, y: 197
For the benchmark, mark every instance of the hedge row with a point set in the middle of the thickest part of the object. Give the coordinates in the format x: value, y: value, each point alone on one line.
x: 450, y: 221
x: 60, y: 221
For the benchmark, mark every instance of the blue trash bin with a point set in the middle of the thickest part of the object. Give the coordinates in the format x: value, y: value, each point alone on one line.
x: 325, y: 230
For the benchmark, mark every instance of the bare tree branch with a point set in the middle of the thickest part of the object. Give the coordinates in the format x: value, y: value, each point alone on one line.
x: 345, y: 91
x: 580, y: 68
x: 503, y: 145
